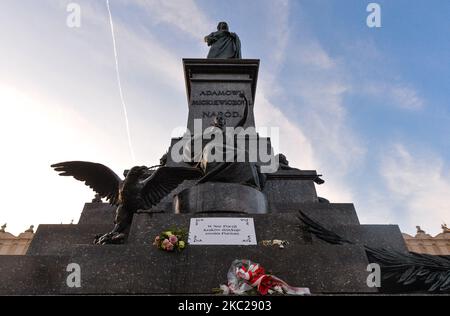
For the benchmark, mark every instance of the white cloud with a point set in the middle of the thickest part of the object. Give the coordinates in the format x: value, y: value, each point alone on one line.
x: 143, y: 54
x: 185, y: 15
x: 279, y: 29
x: 293, y: 142
x: 314, y: 55
x: 338, y: 151
x: 420, y: 185
x: 319, y: 85
x: 374, y: 206
x: 406, y: 97
x: 398, y: 94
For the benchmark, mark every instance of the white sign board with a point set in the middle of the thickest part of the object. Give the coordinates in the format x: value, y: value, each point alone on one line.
x: 222, y: 231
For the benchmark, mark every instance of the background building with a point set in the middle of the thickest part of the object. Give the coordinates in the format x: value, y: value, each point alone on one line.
x: 12, y: 245
x: 425, y: 243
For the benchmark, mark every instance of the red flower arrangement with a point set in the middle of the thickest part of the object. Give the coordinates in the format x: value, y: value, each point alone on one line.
x: 245, y: 276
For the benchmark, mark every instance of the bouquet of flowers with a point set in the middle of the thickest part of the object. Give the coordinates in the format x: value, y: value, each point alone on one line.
x: 246, y: 276
x: 171, y: 240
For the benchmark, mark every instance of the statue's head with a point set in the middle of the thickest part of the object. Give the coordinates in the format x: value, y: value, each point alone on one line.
x: 223, y: 26
x: 219, y: 121
x: 136, y: 171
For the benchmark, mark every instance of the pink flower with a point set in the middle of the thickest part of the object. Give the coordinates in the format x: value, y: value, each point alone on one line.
x: 157, y: 240
x: 173, y: 239
x: 165, y: 244
x: 169, y: 247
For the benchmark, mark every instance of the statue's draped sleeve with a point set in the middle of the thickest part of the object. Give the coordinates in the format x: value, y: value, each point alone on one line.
x: 210, y: 39
x: 237, y: 43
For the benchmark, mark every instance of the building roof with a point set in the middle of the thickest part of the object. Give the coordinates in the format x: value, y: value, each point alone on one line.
x: 421, y: 234
x: 6, y: 235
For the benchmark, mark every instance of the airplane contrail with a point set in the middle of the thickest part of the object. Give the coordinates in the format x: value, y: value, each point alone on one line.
x: 125, y: 112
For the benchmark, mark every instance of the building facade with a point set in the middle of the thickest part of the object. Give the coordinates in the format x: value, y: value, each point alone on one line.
x: 15, y: 245
x: 427, y: 244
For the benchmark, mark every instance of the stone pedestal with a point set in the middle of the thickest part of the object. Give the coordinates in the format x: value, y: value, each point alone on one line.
x: 137, y: 267
x: 214, y: 85
x: 219, y: 198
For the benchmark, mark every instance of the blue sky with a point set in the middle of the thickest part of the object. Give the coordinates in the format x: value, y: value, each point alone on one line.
x: 368, y: 108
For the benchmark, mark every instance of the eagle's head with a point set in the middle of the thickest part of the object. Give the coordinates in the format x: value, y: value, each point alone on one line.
x: 136, y: 172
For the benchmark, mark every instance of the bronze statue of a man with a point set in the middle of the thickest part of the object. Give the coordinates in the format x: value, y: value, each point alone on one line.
x: 224, y: 44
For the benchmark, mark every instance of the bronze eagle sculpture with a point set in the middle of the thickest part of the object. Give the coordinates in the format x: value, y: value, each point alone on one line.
x: 141, y: 190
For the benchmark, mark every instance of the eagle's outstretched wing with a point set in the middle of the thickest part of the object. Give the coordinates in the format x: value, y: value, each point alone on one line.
x: 321, y: 232
x: 408, y: 271
x: 164, y: 180
x: 97, y: 176
x: 424, y: 271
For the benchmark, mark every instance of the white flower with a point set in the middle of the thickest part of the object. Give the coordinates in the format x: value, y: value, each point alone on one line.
x: 279, y: 289
x: 225, y: 289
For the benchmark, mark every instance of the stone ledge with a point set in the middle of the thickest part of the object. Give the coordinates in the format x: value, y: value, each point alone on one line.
x: 58, y: 239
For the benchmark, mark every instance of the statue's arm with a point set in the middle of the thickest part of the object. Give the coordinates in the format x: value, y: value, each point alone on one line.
x: 210, y: 39
x: 237, y: 42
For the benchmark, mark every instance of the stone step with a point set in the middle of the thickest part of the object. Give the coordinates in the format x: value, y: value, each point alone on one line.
x: 197, y: 270
x: 58, y: 239
x: 32, y: 275
x: 146, y: 227
x: 97, y: 213
x: 374, y: 236
x: 328, y: 213
x: 285, y: 226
